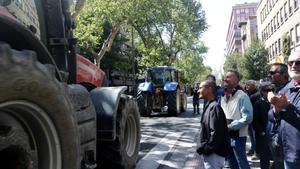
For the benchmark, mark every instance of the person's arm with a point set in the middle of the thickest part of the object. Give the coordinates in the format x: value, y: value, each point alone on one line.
x: 291, y: 115
x: 246, y: 111
x: 217, y: 130
x: 286, y: 110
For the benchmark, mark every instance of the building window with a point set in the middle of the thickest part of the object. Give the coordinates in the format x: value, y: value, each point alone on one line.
x: 271, y: 26
x: 274, y: 23
x: 295, y: 4
x: 281, y: 15
x: 276, y: 48
x: 285, y: 10
x: 292, y: 37
x: 277, y: 19
x: 273, y: 51
x: 279, y: 45
x: 291, y: 6
x: 242, y: 10
x: 297, y: 32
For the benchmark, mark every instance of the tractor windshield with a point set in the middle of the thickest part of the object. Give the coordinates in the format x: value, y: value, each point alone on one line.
x: 160, y: 76
x: 156, y: 76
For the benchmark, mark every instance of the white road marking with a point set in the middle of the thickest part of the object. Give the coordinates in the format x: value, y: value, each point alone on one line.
x: 154, y: 158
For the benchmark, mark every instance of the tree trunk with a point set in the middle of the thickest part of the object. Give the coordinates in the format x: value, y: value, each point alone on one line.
x: 106, y: 46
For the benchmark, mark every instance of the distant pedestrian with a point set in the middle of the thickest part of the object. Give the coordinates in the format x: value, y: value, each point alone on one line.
x: 196, y: 99
x: 239, y: 113
x: 219, y: 89
x: 214, y: 133
x: 286, y: 108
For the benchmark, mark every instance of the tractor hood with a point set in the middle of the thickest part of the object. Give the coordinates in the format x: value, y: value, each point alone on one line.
x: 170, y: 86
x: 146, y: 86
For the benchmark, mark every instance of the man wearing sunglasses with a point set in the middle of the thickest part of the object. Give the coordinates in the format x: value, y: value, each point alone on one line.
x: 286, y: 108
x: 279, y: 77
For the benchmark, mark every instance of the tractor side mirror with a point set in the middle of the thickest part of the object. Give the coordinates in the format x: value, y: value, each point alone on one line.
x: 5, y: 2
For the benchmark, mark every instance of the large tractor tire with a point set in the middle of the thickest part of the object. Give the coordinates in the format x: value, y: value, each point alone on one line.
x: 37, y: 128
x: 174, y: 103
x: 183, y: 102
x: 144, y: 104
x: 122, y: 153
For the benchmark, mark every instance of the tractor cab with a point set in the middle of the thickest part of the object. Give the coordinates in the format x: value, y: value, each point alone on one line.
x: 161, y: 75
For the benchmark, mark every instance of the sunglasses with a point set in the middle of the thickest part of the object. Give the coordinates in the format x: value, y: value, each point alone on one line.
x: 291, y: 63
x: 273, y: 72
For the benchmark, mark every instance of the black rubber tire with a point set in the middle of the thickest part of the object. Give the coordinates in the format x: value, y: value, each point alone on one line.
x: 174, y: 103
x: 183, y: 105
x: 122, y: 153
x: 85, y: 117
x: 144, y: 104
x: 35, y: 104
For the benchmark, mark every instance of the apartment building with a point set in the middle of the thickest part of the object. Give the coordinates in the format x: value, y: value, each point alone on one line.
x: 240, y: 13
x: 275, y: 18
x: 248, y: 32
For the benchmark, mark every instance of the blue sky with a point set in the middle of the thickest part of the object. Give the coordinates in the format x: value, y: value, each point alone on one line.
x: 218, y: 14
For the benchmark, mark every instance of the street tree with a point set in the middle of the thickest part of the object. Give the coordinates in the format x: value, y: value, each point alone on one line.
x: 256, y: 61
x: 164, y: 29
x: 286, y: 46
x: 169, y: 30
x: 235, y: 61
x: 192, y: 67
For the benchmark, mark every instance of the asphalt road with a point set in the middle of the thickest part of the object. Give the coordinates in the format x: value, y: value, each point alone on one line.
x: 170, y: 142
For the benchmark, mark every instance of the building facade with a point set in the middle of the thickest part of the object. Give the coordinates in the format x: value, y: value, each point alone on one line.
x: 248, y: 32
x: 240, y: 13
x: 276, y: 18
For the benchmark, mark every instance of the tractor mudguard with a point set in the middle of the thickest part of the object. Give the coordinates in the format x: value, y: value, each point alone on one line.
x: 106, y: 101
x: 145, y: 87
x: 170, y: 86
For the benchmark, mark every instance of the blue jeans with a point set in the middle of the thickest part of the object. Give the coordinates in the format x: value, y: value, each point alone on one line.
x: 291, y: 165
x: 237, y: 154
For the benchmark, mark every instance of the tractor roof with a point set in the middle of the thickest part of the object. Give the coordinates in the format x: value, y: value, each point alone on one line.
x: 162, y: 67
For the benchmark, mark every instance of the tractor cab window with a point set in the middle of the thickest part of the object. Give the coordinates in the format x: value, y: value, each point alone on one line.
x: 174, y: 76
x: 156, y: 76
x: 24, y: 11
x: 168, y: 76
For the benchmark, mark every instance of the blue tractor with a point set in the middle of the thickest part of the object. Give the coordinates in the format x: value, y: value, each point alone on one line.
x: 161, y: 92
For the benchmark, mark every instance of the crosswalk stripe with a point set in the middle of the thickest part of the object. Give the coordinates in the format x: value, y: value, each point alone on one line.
x: 185, y: 145
x: 159, y: 152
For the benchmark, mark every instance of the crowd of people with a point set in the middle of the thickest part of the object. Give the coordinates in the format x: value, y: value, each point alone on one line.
x: 268, y: 112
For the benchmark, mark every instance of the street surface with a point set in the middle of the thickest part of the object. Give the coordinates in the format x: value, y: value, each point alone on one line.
x: 170, y: 142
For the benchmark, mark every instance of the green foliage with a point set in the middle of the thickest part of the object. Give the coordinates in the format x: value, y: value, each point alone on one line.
x: 251, y: 65
x: 235, y: 61
x: 192, y: 68
x: 286, y: 49
x: 164, y: 32
x: 256, y: 61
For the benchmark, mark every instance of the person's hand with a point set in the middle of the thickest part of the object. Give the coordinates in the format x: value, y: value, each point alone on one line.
x: 271, y: 97
x: 280, y: 102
